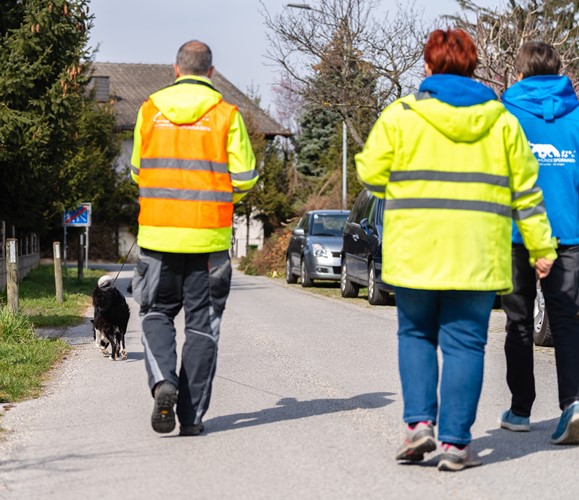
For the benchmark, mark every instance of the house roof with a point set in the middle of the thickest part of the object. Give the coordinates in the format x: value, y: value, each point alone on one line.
x: 131, y: 84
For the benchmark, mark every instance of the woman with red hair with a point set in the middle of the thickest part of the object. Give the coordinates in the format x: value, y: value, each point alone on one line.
x: 454, y: 167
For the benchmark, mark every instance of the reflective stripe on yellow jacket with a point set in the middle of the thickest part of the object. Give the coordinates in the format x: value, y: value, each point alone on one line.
x: 192, y: 159
x: 453, y: 177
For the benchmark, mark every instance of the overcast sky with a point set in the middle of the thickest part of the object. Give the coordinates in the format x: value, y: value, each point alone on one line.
x: 151, y: 31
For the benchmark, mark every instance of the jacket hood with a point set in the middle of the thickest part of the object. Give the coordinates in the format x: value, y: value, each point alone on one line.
x: 457, y: 90
x: 180, y: 103
x: 545, y: 96
x: 459, y: 107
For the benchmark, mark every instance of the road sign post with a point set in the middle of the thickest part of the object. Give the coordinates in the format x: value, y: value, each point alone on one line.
x: 79, y: 217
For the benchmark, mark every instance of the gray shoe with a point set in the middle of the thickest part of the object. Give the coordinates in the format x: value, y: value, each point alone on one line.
x: 454, y: 459
x: 163, y: 417
x: 417, y: 442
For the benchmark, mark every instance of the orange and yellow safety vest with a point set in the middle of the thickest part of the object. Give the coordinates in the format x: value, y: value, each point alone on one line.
x: 192, y: 159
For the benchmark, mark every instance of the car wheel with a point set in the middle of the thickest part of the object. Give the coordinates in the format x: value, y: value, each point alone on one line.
x: 375, y: 296
x: 347, y: 288
x: 289, y: 276
x: 306, y: 280
x: 542, y: 333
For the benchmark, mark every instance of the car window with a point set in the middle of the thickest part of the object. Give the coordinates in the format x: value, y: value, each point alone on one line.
x: 328, y: 224
x: 379, y: 212
x: 368, y: 208
x: 375, y: 215
x: 359, y: 208
x: 303, y: 224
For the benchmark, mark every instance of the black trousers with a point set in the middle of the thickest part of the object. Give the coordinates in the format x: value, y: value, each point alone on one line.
x: 561, y: 292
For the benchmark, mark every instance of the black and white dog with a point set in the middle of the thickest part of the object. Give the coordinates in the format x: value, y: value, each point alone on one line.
x: 111, y: 317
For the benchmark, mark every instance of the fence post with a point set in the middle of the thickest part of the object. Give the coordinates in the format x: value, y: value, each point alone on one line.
x: 12, y: 274
x: 57, y: 272
x: 3, y: 229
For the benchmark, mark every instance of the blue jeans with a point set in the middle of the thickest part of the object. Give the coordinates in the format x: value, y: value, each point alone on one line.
x: 457, y: 321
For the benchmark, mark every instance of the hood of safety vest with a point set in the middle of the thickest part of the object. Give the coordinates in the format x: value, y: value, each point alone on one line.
x: 545, y: 96
x: 460, y: 108
x: 186, y: 102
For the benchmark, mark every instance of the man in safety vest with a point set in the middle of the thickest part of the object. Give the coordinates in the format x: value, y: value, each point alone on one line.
x: 192, y: 160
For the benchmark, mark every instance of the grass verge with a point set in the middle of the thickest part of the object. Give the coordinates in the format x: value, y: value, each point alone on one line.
x: 25, y: 358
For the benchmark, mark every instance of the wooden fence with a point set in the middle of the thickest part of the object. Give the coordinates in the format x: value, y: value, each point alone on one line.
x: 28, y: 253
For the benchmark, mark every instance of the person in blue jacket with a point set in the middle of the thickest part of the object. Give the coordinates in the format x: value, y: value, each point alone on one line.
x: 548, y: 110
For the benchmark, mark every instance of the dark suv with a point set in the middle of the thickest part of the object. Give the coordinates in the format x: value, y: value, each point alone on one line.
x: 362, y: 250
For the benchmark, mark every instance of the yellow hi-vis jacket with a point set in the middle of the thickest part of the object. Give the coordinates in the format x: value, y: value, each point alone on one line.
x: 453, y: 179
x: 192, y: 159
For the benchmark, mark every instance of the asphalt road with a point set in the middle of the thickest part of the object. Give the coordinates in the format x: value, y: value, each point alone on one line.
x: 306, y: 405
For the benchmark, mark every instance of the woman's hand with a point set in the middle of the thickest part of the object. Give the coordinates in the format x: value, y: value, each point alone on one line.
x: 543, y: 267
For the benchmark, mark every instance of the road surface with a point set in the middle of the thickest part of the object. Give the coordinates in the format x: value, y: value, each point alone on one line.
x: 306, y: 405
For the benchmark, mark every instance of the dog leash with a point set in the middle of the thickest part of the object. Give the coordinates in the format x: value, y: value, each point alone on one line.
x: 122, y: 265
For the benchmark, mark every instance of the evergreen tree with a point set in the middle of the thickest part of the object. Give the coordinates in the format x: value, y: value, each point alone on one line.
x: 55, y: 142
x: 318, y: 142
x: 277, y: 197
x: 270, y: 200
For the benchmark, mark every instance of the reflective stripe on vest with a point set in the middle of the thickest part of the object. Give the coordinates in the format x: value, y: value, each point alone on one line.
x: 184, y: 179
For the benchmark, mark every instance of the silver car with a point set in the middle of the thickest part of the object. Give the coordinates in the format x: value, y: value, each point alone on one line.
x: 315, y: 247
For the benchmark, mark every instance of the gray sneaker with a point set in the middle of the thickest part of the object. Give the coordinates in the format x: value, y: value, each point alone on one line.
x: 454, y: 459
x: 417, y: 442
x: 163, y: 417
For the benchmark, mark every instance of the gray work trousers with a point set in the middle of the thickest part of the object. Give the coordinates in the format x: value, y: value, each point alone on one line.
x: 199, y: 283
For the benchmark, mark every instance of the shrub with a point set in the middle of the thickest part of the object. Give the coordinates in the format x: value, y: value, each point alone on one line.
x: 245, y: 262
x: 270, y: 259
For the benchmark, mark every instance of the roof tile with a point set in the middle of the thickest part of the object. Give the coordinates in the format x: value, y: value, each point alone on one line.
x: 131, y: 84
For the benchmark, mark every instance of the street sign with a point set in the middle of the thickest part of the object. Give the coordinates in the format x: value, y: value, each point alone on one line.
x: 80, y: 217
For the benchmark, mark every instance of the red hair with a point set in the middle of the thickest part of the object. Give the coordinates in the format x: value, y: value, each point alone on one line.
x: 451, y: 51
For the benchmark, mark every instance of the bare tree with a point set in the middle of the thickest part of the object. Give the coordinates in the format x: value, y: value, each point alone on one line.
x: 500, y: 32
x: 336, y: 55
x: 287, y: 103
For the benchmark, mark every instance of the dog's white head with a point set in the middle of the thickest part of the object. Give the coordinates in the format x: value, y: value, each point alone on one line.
x: 105, y: 282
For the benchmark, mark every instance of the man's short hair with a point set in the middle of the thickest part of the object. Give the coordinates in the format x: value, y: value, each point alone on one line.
x: 537, y: 58
x: 194, y: 58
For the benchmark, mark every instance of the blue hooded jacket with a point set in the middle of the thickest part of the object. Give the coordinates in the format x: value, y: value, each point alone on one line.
x: 457, y: 90
x: 547, y: 108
